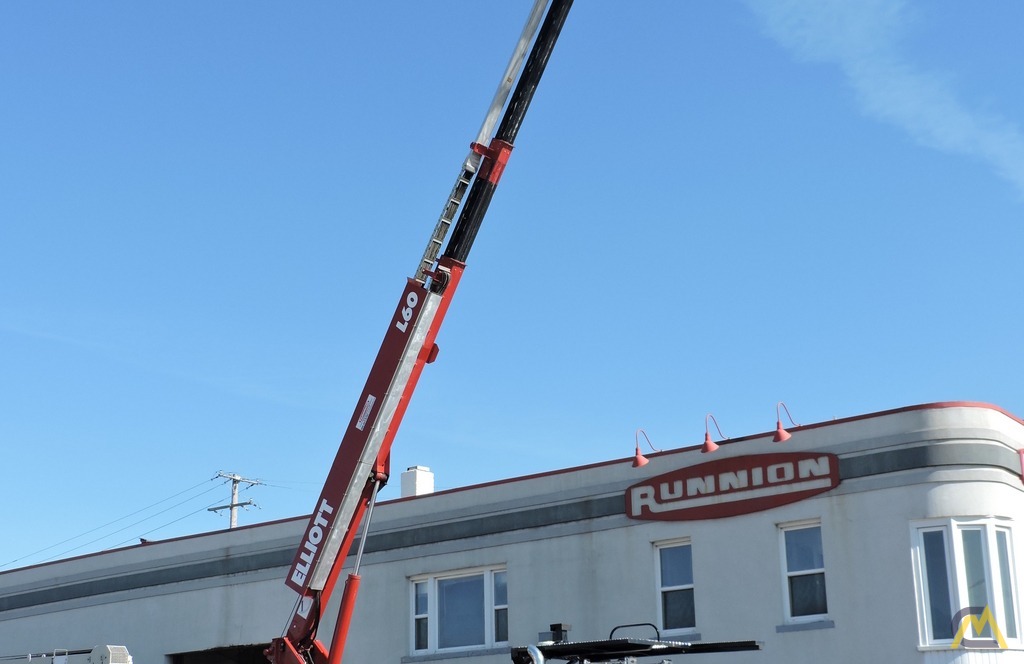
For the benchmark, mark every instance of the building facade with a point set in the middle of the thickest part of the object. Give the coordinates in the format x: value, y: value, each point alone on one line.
x: 888, y: 537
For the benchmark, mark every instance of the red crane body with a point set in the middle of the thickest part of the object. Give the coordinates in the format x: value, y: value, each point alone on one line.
x: 361, y: 465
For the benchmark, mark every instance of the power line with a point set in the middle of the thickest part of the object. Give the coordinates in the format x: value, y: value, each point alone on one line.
x: 280, y: 483
x: 100, y: 539
x: 110, y: 523
x: 119, y: 530
x: 181, y: 518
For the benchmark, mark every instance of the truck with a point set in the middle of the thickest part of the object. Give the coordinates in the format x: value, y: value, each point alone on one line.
x: 362, y: 464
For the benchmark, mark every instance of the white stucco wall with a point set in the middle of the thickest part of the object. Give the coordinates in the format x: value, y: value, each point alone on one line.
x: 593, y: 573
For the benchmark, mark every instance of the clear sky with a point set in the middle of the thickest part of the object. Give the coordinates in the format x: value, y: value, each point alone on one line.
x: 209, y: 210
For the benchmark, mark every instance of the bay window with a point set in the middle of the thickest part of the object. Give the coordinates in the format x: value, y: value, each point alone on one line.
x: 962, y: 567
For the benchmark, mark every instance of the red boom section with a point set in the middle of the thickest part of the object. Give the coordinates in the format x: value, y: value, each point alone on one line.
x: 321, y: 541
x: 407, y: 346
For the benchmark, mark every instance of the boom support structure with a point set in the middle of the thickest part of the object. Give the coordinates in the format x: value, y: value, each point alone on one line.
x: 361, y: 465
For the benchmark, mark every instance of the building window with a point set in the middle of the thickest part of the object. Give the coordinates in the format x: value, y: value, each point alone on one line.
x: 960, y: 564
x: 675, y: 581
x: 460, y: 610
x: 500, y: 608
x: 420, y: 616
x: 804, y: 569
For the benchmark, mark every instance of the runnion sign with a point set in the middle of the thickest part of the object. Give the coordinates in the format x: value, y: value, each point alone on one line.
x: 733, y: 486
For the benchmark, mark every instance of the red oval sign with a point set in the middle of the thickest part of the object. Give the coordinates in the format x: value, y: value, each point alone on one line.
x: 729, y: 487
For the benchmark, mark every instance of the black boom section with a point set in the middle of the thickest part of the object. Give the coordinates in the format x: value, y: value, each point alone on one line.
x: 480, y: 194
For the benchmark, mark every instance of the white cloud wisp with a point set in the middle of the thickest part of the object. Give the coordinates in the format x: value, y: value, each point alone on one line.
x: 861, y: 38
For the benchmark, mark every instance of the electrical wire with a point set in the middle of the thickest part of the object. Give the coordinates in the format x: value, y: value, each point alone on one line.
x: 201, y: 509
x: 130, y: 525
x: 110, y: 523
x: 100, y: 539
x: 280, y: 484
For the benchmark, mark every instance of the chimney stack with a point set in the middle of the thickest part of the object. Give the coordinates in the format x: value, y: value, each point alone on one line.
x: 417, y: 481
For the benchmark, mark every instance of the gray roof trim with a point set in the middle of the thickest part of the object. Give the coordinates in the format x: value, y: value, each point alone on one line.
x: 889, y: 461
x: 930, y: 456
x: 134, y: 581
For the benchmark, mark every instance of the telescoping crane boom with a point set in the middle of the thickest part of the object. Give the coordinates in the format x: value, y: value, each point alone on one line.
x: 361, y: 466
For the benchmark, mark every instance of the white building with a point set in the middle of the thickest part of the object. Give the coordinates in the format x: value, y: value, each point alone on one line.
x: 862, y: 539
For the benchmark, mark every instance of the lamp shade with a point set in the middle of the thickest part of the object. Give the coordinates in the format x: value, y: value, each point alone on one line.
x: 709, y: 445
x: 781, y: 435
x: 639, y: 460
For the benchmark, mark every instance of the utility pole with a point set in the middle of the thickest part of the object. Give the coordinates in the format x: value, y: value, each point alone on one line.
x: 234, y: 504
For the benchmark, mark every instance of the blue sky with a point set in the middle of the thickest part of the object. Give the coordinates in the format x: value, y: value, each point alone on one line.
x: 210, y: 209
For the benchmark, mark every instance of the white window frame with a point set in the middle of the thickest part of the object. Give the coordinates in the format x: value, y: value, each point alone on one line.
x: 490, y: 609
x: 956, y: 576
x: 661, y: 588
x: 787, y: 609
